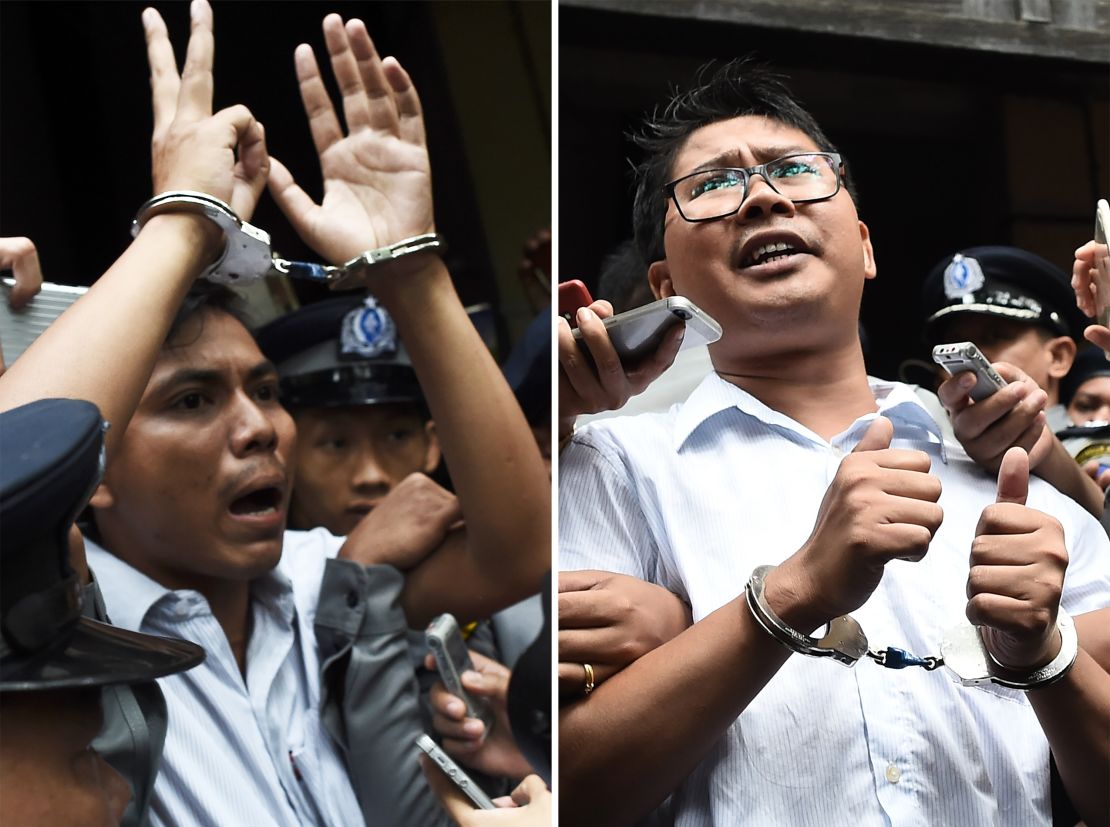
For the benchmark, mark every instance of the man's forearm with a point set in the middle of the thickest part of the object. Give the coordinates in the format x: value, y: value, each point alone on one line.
x: 496, y: 467
x: 1075, y: 715
x: 103, y: 348
x: 690, y: 690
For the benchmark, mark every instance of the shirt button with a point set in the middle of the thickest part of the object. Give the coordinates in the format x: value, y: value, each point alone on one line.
x: 893, y: 774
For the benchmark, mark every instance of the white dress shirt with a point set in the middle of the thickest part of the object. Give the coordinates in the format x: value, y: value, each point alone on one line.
x: 242, y: 751
x: 695, y: 498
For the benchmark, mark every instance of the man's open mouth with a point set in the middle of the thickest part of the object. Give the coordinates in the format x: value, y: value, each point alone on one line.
x: 257, y: 503
x: 769, y: 252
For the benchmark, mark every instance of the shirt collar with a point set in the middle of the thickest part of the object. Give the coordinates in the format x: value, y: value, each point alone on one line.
x: 128, y: 592
x: 896, y: 401
x: 132, y: 595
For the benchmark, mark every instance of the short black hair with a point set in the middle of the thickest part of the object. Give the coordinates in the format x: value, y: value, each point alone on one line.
x: 623, y: 279
x: 738, y: 87
x: 206, y: 296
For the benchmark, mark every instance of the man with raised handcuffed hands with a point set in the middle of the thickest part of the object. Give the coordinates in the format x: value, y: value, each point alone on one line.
x: 191, y: 512
x: 790, y: 491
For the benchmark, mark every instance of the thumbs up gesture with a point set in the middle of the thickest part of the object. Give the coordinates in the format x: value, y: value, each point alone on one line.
x: 1018, y: 560
x: 881, y: 505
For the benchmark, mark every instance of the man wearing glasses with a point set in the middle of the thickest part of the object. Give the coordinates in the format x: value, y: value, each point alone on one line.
x: 835, y: 498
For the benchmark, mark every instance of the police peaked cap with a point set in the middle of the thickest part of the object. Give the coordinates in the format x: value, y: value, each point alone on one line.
x: 50, y: 463
x: 339, y: 352
x: 1004, y: 282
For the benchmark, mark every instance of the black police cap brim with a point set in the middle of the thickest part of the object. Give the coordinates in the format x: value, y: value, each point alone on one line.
x: 97, y: 654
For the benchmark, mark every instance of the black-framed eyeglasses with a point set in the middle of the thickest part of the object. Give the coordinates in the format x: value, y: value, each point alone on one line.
x: 714, y: 193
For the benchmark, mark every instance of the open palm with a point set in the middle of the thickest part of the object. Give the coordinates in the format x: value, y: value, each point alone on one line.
x: 377, y: 179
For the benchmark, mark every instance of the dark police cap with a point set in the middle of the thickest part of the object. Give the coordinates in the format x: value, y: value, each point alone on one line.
x: 1089, y: 363
x: 50, y: 462
x: 1004, y: 282
x: 339, y: 352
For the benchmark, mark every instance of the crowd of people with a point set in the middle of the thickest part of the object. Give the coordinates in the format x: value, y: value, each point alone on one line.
x: 788, y: 592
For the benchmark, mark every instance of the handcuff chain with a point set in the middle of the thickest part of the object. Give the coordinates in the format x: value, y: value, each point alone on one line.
x: 895, y: 658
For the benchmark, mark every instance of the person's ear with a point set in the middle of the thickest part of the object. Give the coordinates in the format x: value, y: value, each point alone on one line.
x: 1061, y: 354
x: 869, y: 267
x: 659, y: 277
x: 433, y: 453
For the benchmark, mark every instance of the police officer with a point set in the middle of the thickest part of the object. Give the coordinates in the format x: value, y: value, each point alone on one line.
x: 1016, y: 306
x: 54, y: 660
x: 362, y: 425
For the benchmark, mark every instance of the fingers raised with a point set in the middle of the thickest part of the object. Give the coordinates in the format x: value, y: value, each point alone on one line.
x: 164, y: 81
x: 356, y: 110
x: 322, y: 120
x: 382, y: 110
x: 194, y: 99
x: 1013, y: 477
x: 409, y: 110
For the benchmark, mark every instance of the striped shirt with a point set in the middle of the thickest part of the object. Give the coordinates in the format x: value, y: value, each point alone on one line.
x: 695, y: 498
x: 242, y: 751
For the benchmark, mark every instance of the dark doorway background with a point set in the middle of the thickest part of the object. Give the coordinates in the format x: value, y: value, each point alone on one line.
x: 75, y: 108
x: 950, y: 147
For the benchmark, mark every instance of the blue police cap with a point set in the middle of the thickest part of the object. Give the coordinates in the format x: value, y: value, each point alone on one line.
x: 50, y: 462
x: 1001, y: 281
x: 339, y: 352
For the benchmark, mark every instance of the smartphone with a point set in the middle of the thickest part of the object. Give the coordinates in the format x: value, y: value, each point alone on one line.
x: 452, y: 659
x: 963, y: 356
x: 453, y: 771
x: 573, y: 294
x: 637, y: 333
x: 1102, y: 265
x: 18, y: 328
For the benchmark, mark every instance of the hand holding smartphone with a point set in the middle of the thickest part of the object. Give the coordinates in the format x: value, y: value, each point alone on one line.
x: 453, y: 771
x: 638, y: 332
x: 965, y: 356
x: 452, y: 659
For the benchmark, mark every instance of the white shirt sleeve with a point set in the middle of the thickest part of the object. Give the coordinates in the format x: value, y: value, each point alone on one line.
x: 601, y: 520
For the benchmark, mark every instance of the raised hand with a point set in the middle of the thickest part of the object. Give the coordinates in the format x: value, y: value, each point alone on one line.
x: 610, y: 620
x: 377, y: 179
x: 606, y: 384
x: 1013, y: 416
x: 1089, y: 275
x: 1018, y: 560
x: 881, y: 506
x: 192, y: 148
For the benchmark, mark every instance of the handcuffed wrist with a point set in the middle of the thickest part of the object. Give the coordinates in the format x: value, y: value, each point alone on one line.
x: 246, y: 254
x: 966, y: 655
x: 843, y: 641
x: 355, y: 272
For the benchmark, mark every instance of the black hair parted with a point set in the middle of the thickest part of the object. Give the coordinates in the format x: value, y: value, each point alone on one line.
x: 739, y: 87
x: 204, y: 297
